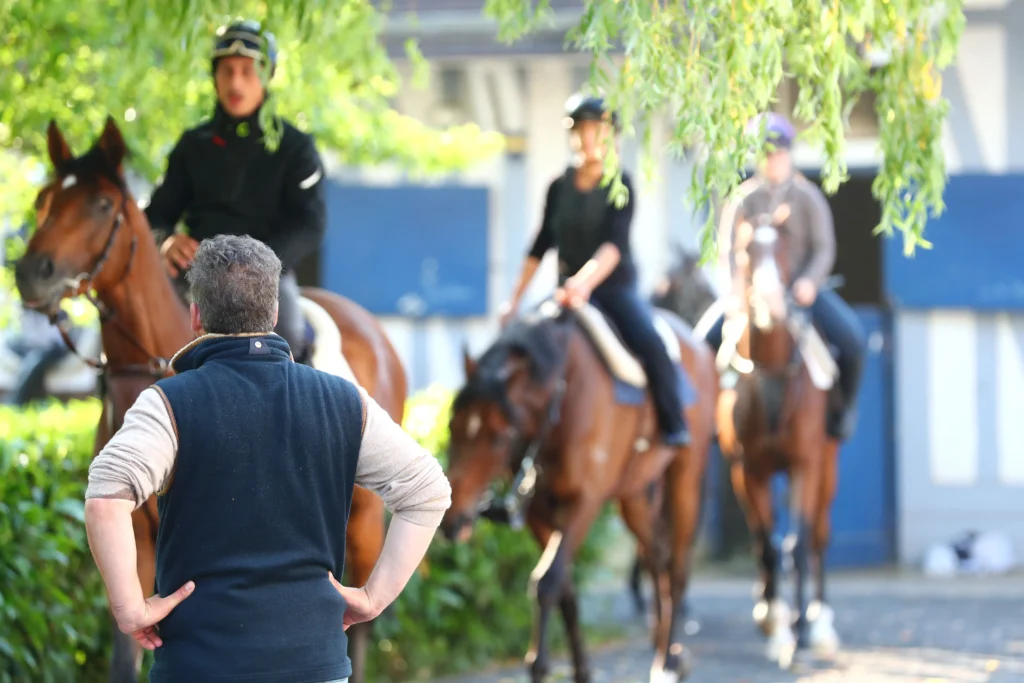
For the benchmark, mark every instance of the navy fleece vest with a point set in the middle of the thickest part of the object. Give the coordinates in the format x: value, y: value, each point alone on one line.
x: 256, y: 514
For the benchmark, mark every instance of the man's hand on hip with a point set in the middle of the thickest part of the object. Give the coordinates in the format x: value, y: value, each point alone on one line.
x: 140, y: 621
x: 178, y: 250
x: 359, y: 606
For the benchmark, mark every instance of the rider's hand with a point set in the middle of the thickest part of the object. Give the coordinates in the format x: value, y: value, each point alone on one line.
x: 359, y: 606
x: 178, y: 250
x: 574, y: 293
x: 506, y: 312
x: 805, y: 291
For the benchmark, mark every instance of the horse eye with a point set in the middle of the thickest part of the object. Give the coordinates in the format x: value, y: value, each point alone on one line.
x: 106, y: 204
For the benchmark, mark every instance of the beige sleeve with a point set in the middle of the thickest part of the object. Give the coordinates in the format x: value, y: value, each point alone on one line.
x: 407, y: 477
x: 139, y: 459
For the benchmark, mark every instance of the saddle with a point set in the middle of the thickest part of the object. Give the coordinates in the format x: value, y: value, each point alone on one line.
x: 624, y: 367
x: 324, y: 340
x: 818, y: 356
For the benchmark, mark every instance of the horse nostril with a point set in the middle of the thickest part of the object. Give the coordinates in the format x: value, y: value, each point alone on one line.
x: 46, y: 267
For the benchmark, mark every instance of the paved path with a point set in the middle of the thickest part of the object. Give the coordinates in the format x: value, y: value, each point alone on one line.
x: 895, y: 629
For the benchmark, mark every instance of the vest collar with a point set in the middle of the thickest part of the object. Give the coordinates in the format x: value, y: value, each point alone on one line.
x: 210, y: 346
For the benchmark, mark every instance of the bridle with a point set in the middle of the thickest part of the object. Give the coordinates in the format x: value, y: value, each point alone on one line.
x: 528, y: 468
x: 156, y: 366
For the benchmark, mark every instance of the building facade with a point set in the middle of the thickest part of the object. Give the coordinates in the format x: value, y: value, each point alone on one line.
x: 939, y: 448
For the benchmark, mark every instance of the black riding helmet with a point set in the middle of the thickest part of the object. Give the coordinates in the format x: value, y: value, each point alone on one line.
x: 581, y: 107
x: 245, y: 38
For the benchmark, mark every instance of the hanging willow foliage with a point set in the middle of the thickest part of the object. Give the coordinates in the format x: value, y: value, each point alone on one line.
x: 713, y: 64
x: 146, y: 62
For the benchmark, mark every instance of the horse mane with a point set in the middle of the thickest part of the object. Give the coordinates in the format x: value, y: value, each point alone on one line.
x: 537, y: 338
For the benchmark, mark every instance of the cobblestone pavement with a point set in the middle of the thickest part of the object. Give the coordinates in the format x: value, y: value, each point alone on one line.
x: 895, y: 629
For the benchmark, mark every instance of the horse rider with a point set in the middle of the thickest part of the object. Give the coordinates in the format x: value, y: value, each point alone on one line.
x: 245, y: 171
x: 812, y: 247
x: 595, y: 261
x: 41, y: 347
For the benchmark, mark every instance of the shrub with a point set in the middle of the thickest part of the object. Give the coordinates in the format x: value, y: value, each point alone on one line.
x: 54, y: 624
x: 53, y: 619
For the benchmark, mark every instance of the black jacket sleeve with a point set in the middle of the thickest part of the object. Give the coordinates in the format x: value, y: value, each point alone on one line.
x: 302, y: 219
x: 172, y: 197
x: 545, y: 238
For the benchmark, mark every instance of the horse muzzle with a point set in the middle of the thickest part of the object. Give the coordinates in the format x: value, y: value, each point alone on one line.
x: 40, y: 282
x: 458, y: 528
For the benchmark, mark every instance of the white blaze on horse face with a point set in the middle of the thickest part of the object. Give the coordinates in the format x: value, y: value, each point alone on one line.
x: 473, y: 425
x: 69, y: 181
x: 766, y: 280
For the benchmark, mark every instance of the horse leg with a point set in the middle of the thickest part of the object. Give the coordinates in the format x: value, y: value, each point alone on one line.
x: 805, y: 478
x: 754, y: 497
x: 636, y: 585
x: 569, y: 605
x: 823, y: 636
x: 682, y: 508
x: 641, y: 518
x: 364, y: 543
x: 126, y: 658
x: 771, y: 613
x: 550, y: 582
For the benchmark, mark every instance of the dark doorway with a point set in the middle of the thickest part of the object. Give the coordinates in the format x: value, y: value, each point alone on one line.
x: 856, y: 212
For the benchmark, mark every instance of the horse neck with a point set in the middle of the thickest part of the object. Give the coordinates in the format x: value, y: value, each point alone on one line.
x: 769, y: 350
x: 142, y: 302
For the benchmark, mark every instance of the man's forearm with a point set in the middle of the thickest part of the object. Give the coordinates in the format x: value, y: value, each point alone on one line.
x: 404, y: 547
x: 108, y: 523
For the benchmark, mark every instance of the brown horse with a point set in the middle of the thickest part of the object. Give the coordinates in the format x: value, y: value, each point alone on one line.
x: 88, y: 223
x: 772, y: 418
x: 557, y: 400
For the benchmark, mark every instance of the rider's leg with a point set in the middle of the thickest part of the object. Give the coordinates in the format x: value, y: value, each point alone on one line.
x: 633, y: 318
x: 843, y: 329
x: 714, y: 334
x: 31, y: 382
x: 290, y: 323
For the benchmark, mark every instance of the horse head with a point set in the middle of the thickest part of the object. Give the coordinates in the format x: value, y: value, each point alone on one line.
x: 78, y: 244
x: 762, y: 262
x: 505, y: 404
x: 685, y: 289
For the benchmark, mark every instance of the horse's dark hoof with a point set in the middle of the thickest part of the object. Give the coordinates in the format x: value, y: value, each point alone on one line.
x: 582, y: 676
x: 678, y: 664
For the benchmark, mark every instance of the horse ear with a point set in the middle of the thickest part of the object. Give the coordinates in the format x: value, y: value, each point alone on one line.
x: 467, y: 361
x: 60, y: 152
x: 112, y: 144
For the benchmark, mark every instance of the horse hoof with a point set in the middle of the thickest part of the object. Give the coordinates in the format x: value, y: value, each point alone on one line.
x: 659, y: 675
x: 760, y: 616
x: 822, y: 636
x: 781, y: 642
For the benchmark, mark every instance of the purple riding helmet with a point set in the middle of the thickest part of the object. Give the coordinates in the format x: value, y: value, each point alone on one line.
x: 778, y: 130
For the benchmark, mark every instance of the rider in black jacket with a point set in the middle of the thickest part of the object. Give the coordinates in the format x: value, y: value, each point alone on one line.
x: 230, y: 176
x: 595, y: 259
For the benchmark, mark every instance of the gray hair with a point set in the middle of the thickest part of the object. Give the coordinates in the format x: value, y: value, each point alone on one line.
x: 234, y: 282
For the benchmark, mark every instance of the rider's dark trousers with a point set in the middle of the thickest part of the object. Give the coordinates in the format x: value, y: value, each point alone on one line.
x: 31, y: 382
x: 841, y: 328
x: 633, y: 318
x: 290, y: 323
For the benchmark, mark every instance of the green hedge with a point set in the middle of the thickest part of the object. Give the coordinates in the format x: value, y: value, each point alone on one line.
x: 53, y: 619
